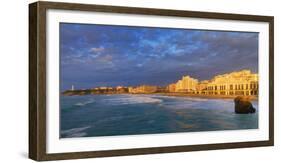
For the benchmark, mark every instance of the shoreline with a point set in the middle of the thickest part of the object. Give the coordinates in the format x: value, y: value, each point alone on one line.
x: 254, y: 98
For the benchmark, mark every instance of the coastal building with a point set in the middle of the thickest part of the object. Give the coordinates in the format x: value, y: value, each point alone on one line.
x: 99, y: 90
x: 143, y: 89
x: 236, y: 83
x: 103, y: 88
x: 130, y: 89
x: 242, y: 82
x: 178, y: 86
x: 121, y: 89
x: 202, y: 87
x: 186, y: 84
x: 171, y: 87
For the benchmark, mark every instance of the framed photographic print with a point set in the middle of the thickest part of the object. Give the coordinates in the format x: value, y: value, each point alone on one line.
x: 112, y: 81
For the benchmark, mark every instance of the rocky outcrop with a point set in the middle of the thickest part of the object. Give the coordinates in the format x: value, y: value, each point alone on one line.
x: 243, y: 105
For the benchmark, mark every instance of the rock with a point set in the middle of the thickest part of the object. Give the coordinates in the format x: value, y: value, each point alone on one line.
x: 243, y: 105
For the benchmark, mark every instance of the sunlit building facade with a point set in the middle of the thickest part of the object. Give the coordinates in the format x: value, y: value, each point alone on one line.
x: 202, y: 87
x: 236, y: 83
x: 171, y: 87
x: 242, y: 82
x: 143, y: 89
x: 186, y: 84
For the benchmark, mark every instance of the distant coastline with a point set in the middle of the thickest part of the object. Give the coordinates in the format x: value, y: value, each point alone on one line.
x: 231, y: 85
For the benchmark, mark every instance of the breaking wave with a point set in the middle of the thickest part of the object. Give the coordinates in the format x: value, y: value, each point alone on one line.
x: 84, y: 103
x: 75, y: 132
x: 132, y: 99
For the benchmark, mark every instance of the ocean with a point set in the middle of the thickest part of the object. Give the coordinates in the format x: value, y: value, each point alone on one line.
x: 125, y: 114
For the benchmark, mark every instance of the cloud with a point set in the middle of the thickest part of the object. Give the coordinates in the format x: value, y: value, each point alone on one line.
x: 139, y: 65
x: 97, y: 49
x: 95, y: 55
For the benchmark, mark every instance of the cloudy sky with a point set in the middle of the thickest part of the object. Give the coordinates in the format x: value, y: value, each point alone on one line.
x: 99, y: 55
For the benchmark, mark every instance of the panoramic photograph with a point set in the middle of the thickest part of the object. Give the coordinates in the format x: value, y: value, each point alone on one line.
x: 128, y: 80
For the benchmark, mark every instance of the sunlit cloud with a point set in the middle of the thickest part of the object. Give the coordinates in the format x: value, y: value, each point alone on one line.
x: 97, y: 49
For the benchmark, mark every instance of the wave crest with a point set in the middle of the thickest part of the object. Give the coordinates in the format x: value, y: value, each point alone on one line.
x: 75, y: 132
x: 133, y: 99
x: 84, y: 103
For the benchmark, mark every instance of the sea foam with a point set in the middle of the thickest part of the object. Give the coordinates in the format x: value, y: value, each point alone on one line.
x: 132, y: 99
x: 84, y: 103
x: 75, y: 132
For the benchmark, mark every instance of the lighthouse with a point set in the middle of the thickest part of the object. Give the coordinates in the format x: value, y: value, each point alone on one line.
x: 72, y: 87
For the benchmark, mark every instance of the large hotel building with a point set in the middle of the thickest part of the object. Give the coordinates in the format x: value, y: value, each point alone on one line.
x: 235, y: 83
x: 186, y: 84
